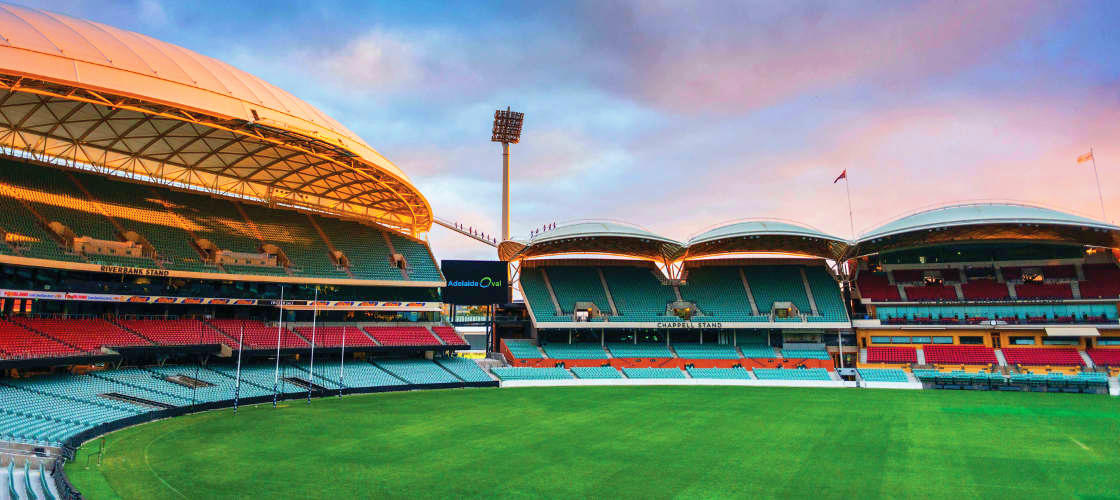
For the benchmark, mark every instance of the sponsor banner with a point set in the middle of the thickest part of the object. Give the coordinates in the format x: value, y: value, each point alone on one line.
x: 350, y: 305
x: 375, y: 305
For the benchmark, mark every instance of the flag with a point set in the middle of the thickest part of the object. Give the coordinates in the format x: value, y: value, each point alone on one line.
x: 1085, y: 157
x: 843, y: 175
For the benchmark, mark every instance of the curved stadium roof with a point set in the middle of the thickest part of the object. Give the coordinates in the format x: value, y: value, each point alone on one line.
x: 988, y: 221
x: 593, y: 237
x: 83, y: 92
x: 766, y: 235
x: 969, y: 222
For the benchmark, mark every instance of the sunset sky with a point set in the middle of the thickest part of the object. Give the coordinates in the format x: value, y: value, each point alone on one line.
x: 679, y: 115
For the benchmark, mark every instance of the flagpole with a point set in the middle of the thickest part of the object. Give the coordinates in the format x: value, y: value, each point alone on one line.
x: 237, y: 379
x: 279, y: 329
x: 851, y: 221
x: 341, y: 361
x: 314, y: 317
x: 1100, y: 196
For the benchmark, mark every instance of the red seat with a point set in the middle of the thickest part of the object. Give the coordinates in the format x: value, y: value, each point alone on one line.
x: 258, y: 335
x: 960, y: 354
x: 1104, y: 357
x: 1044, y: 291
x: 931, y: 292
x: 1059, y: 272
x: 178, y: 331
x: 1099, y: 289
x: 85, y: 334
x: 19, y: 342
x: 1011, y: 273
x: 1042, y: 356
x: 402, y: 335
x: 984, y: 289
x: 892, y: 355
x: 449, y: 335
x: 907, y: 275
x: 875, y: 287
x: 332, y: 336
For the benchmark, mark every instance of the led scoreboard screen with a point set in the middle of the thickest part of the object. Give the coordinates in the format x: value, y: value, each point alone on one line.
x: 476, y: 282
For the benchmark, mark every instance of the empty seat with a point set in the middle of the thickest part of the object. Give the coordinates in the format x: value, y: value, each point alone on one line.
x: 653, y: 373
x: 985, y: 289
x: 960, y: 354
x: 1044, y: 291
x: 892, y: 355
x: 622, y: 350
x: 465, y: 369
x: 335, y: 336
x: 706, y: 351
x: 737, y: 373
x: 1105, y: 357
x: 931, y: 292
x: 877, y: 287
x: 1042, y: 356
x: 402, y: 335
x: 883, y: 375
x: 595, y: 372
x: 258, y: 335
x: 757, y: 351
x: 417, y: 371
x: 177, y: 331
x: 580, y: 350
x: 525, y: 373
x: 791, y: 374
x: 448, y: 335
x: 522, y: 349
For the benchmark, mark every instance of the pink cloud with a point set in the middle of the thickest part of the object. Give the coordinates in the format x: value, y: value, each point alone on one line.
x: 902, y: 160
x: 761, y: 59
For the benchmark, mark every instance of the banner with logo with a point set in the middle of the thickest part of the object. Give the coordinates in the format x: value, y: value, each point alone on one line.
x: 346, y: 305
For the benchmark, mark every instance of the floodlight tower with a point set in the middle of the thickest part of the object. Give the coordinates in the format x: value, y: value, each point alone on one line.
x: 507, y: 130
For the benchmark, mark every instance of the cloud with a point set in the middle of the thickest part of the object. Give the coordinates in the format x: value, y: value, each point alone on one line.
x: 384, y: 60
x: 152, y: 13
x: 714, y: 57
x: 900, y: 159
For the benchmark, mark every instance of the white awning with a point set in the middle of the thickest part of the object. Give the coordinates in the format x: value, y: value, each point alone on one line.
x: 1072, y: 331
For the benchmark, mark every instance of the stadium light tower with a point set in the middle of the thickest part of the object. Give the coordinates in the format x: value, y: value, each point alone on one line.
x: 507, y: 130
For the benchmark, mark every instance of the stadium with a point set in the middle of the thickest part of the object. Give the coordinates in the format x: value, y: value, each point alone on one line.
x: 209, y: 288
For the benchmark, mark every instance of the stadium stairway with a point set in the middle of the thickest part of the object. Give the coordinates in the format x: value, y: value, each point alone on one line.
x: 25, y: 477
x: 999, y: 357
x: 1085, y: 358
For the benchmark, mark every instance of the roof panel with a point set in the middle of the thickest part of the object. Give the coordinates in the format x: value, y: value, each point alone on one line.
x: 56, y: 58
x: 594, y: 237
x: 759, y: 227
x: 980, y: 213
x: 989, y: 221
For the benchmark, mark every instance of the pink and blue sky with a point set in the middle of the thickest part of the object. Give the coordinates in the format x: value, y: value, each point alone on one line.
x: 679, y: 115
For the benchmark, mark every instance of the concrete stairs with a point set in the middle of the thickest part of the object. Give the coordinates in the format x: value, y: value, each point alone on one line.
x: 999, y: 357
x: 1086, y: 359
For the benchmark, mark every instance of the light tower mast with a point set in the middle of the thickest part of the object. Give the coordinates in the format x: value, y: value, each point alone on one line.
x: 507, y: 130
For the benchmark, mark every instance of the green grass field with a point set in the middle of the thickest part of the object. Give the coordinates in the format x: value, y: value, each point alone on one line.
x: 648, y: 442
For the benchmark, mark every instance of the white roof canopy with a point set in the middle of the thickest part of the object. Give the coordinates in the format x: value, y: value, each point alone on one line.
x: 1072, y: 331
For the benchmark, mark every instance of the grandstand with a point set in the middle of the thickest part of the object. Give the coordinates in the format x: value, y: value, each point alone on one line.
x: 82, y: 218
x: 988, y: 293
x: 181, y: 236
x: 167, y: 222
x: 53, y: 410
